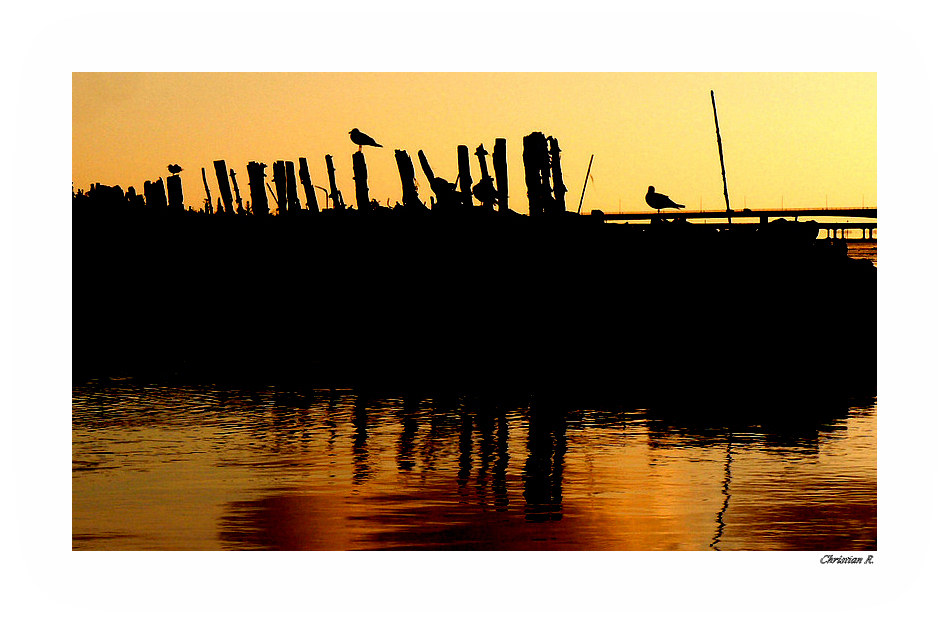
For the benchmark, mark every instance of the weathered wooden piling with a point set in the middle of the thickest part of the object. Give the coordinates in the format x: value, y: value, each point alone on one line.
x: 280, y: 179
x: 537, y: 173
x: 407, y: 176
x: 293, y: 200
x: 258, y: 194
x: 237, y: 193
x: 484, y: 189
x: 426, y: 168
x: 445, y: 195
x: 334, y: 191
x: 559, y: 205
x: 464, y: 178
x: 361, y: 177
x: 220, y: 170
x: 176, y: 202
x: 499, y: 158
x: 209, y: 205
x: 155, y: 200
x: 308, y: 190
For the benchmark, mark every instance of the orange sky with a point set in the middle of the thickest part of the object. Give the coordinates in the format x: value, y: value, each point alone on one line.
x: 797, y: 139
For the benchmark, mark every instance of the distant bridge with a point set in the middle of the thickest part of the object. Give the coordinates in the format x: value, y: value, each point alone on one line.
x: 761, y: 216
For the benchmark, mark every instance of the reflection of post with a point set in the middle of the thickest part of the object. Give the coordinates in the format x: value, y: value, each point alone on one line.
x: 361, y: 177
x: 334, y: 192
x: 543, y: 470
x: 360, y: 436
x: 464, y: 452
x: 220, y: 170
x: 720, y: 518
x: 405, y: 454
x: 499, y: 484
x: 485, y: 424
x: 499, y: 158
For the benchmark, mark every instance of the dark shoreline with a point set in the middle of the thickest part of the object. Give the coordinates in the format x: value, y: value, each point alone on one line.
x: 489, y: 302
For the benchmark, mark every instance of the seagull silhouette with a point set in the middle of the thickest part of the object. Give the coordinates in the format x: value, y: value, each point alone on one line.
x: 362, y: 139
x: 174, y: 168
x: 659, y: 201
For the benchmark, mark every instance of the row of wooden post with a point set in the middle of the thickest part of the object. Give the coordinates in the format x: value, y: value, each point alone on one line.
x: 543, y: 177
x: 541, y: 167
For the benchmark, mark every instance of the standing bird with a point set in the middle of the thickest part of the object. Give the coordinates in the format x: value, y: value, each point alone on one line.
x: 362, y: 139
x: 174, y: 168
x: 659, y: 201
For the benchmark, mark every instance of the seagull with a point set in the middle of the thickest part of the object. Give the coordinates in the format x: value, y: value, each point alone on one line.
x: 658, y: 201
x: 174, y: 168
x: 362, y: 139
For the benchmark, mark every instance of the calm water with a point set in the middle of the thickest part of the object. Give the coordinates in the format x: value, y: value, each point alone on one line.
x: 862, y: 249
x: 209, y: 468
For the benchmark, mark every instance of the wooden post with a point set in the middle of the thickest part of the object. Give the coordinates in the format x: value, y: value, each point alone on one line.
x: 237, y: 193
x: 361, y: 176
x: 220, y: 169
x: 464, y: 177
x: 280, y: 179
x: 537, y: 173
x: 499, y: 158
x: 208, y: 207
x: 559, y: 204
x: 445, y: 194
x: 293, y: 198
x: 426, y: 169
x: 151, y: 196
x: 175, y: 197
x: 484, y: 190
x: 334, y: 192
x: 407, y: 175
x: 308, y: 186
x: 258, y: 195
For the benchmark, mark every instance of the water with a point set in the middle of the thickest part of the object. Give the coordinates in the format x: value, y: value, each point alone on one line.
x: 862, y: 249
x: 211, y: 468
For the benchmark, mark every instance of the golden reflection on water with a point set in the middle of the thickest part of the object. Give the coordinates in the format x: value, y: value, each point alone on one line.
x: 162, y: 468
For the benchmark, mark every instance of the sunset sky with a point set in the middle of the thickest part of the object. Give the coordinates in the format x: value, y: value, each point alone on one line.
x: 792, y: 139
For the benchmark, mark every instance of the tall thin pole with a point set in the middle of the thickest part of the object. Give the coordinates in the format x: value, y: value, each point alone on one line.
x: 583, y: 192
x: 721, y: 157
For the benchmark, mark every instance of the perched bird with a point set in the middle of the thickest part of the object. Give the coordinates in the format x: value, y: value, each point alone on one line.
x: 174, y: 168
x: 659, y: 201
x: 362, y: 139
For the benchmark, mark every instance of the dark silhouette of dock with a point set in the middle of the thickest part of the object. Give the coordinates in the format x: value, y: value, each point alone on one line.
x: 451, y: 296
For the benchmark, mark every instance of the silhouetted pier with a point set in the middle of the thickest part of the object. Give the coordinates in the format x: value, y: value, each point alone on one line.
x: 758, y: 216
x: 454, y: 296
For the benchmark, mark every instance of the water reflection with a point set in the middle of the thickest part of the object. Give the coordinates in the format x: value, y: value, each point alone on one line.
x: 543, y: 469
x: 720, y: 519
x: 288, y: 469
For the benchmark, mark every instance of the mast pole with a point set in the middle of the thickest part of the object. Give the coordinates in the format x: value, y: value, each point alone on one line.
x: 721, y: 157
x: 584, y: 191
